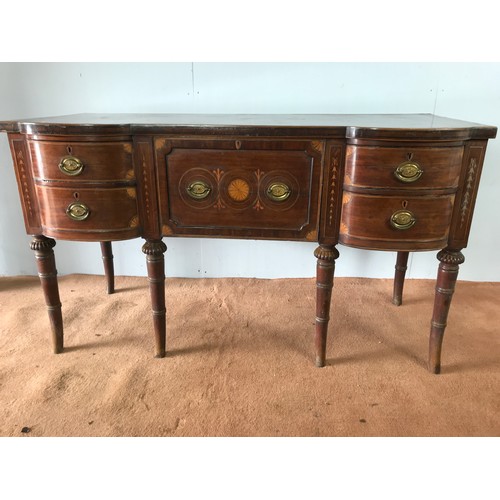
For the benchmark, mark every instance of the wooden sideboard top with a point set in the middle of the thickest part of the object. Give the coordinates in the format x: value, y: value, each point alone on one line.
x: 393, y: 126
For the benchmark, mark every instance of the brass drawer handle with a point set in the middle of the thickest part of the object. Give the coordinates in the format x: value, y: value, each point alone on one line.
x: 78, y: 211
x: 402, y: 219
x: 278, y: 191
x: 408, y: 172
x: 70, y: 165
x: 198, y: 190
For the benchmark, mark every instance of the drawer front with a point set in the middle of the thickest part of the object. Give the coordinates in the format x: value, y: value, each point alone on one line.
x: 393, y: 222
x: 394, y: 167
x: 95, y: 214
x: 259, y: 190
x: 82, y: 161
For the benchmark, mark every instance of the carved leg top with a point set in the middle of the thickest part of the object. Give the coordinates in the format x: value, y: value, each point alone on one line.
x: 154, y: 247
x: 326, y: 252
x: 453, y: 257
x: 41, y: 243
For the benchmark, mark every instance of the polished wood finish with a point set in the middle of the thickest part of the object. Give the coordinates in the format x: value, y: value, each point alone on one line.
x: 399, y: 278
x: 388, y: 182
x: 256, y: 164
x: 374, y: 190
x: 106, y: 185
x: 414, y: 127
x: 366, y: 221
x: 102, y: 161
x: 47, y: 272
x: 374, y: 166
x: 112, y: 213
x: 445, y: 287
x: 109, y: 270
x: 325, y: 269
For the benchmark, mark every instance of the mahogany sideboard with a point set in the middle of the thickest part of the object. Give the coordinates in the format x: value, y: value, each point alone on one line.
x: 402, y: 183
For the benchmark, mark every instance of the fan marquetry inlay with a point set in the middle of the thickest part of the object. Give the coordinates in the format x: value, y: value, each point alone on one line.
x: 238, y: 190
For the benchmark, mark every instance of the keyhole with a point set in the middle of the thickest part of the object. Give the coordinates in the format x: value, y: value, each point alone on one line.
x: 404, y: 204
x: 409, y: 156
x: 69, y: 149
x: 76, y: 196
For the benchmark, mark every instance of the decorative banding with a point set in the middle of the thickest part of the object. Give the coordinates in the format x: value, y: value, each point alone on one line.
x: 323, y: 286
x: 322, y: 320
x: 438, y: 325
x: 445, y: 291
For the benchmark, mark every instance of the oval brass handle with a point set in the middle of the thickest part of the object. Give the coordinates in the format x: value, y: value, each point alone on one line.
x: 78, y: 211
x: 408, y: 172
x: 198, y: 190
x: 71, y: 165
x: 278, y: 191
x: 402, y: 219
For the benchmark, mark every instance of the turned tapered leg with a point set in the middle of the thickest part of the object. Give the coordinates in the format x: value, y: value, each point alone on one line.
x: 399, y: 277
x: 154, y: 250
x: 109, y: 270
x: 326, y: 255
x: 445, y: 286
x: 47, y: 272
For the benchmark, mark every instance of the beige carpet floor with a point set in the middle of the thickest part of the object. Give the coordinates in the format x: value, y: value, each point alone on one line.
x: 240, y: 361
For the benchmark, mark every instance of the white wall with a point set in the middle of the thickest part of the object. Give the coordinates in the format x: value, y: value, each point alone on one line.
x: 469, y: 91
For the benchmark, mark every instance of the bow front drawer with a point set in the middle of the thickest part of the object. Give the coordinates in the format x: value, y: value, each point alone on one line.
x: 82, y: 161
x: 89, y: 214
x: 394, y: 222
x: 403, y: 168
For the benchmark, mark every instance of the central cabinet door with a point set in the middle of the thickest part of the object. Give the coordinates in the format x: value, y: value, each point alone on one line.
x: 239, y: 187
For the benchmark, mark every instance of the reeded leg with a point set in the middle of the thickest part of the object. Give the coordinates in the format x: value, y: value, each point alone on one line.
x: 154, y: 250
x: 47, y: 272
x: 109, y: 270
x: 399, y: 278
x: 326, y: 255
x: 445, y: 286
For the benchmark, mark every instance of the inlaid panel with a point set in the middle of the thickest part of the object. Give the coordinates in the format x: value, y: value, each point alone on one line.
x: 238, y: 186
x: 25, y: 184
x: 466, y: 197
